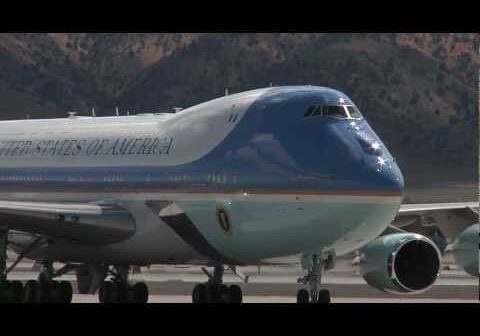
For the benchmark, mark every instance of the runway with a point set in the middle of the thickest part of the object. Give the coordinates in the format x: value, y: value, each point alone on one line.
x: 278, y: 284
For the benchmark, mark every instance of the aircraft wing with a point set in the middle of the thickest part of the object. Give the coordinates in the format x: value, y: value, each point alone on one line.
x: 86, y: 223
x: 418, y: 208
x: 450, y: 218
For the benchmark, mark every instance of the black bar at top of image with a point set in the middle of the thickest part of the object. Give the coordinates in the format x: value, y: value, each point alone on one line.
x: 241, y: 17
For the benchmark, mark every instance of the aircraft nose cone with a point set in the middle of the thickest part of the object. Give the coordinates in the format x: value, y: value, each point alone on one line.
x: 388, y: 175
x: 394, y: 178
x: 382, y: 172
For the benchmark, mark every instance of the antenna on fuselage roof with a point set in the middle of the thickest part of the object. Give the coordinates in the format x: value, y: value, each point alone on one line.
x: 271, y: 84
x: 177, y: 109
x: 93, y: 112
x: 116, y: 111
x: 128, y: 113
x: 226, y: 92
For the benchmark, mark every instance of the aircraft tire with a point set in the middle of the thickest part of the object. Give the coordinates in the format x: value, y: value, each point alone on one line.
x: 6, y: 293
x: 66, y: 291
x: 140, y: 293
x: 324, y: 296
x: 55, y: 292
x: 223, y: 295
x: 30, y: 291
x: 120, y: 292
x: 199, y: 294
x: 235, y: 293
x: 42, y: 293
x: 303, y: 297
x: 105, y: 292
x: 115, y: 293
x: 16, y: 289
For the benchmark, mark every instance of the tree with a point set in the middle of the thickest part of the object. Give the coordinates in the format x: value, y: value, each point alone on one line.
x: 440, y: 78
x: 453, y: 119
x: 415, y: 98
x: 396, y: 79
x: 395, y: 104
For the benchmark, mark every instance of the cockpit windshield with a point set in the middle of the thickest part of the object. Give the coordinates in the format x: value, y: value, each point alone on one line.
x: 336, y: 111
x: 353, y: 111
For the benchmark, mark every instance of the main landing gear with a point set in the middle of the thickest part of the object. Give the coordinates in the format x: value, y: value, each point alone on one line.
x: 43, y: 290
x: 118, y: 290
x: 214, y: 291
x: 47, y: 292
x: 313, y: 280
x: 46, y: 289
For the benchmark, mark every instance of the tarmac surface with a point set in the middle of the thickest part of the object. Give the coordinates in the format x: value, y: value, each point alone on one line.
x: 278, y: 284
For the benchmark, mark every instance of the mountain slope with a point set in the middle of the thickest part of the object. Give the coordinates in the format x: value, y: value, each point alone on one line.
x: 419, y: 91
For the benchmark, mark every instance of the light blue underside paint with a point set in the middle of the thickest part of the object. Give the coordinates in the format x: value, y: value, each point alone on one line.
x: 263, y: 229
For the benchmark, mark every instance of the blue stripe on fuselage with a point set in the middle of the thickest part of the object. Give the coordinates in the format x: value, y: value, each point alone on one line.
x: 272, y: 148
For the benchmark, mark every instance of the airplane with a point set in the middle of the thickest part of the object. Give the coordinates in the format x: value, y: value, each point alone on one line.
x: 244, y: 179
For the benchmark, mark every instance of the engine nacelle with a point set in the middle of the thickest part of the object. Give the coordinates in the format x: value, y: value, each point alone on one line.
x: 465, y: 250
x: 400, y: 263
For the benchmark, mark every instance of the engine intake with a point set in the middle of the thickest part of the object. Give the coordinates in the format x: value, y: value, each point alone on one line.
x: 400, y: 263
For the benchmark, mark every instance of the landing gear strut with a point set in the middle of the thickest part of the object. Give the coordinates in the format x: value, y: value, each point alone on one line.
x: 214, y: 291
x: 313, y: 280
x: 10, y: 291
x: 118, y: 290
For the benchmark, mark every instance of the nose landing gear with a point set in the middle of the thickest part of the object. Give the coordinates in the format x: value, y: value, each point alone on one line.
x: 313, y: 280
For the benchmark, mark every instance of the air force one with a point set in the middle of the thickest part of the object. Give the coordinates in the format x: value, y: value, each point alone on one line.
x: 245, y: 179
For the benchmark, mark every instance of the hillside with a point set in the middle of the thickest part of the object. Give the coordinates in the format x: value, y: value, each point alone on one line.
x: 419, y: 91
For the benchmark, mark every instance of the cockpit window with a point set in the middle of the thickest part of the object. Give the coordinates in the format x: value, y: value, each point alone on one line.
x: 354, y: 112
x: 336, y: 111
x: 310, y: 111
x: 318, y: 110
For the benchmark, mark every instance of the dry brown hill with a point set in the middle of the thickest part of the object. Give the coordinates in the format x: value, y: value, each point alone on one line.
x: 419, y: 91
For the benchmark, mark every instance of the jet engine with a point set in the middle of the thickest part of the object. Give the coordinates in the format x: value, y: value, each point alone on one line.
x: 465, y: 250
x: 400, y: 263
